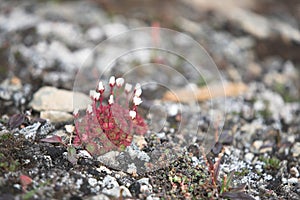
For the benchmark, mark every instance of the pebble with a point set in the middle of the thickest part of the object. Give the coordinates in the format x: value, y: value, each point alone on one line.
x: 112, y: 188
x: 146, y: 187
x: 257, y: 145
x: 296, y: 149
x: 294, y: 171
x: 50, y: 98
x: 92, y: 181
x: 249, y: 157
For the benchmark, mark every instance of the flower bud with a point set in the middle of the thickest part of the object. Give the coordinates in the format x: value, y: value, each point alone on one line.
x: 138, y: 92
x: 111, y: 99
x: 120, y: 82
x: 100, y: 87
x: 132, y: 114
x: 137, y: 100
x: 112, y: 81
x: 89, y: 109
x: 128, y: 87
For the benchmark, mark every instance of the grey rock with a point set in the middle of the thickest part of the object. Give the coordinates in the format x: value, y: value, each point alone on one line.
x: 50, y: 98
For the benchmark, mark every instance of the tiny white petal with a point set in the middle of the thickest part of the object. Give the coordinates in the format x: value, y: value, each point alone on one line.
x: 137, y: 100
x: 128, y: 87
x: 112, y: 81
x: 138, y: 92
x: 76, y: 111
x: 120, y: 82
x: 96, y: 95
x: 89, y: 109
x: 111, y: 99
x: 100, y: 86
x: 132, y: 114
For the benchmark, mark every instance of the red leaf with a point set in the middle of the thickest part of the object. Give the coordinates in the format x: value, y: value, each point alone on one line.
x: 25, y: 181
x: 53, y: 139
x: 16, y: 120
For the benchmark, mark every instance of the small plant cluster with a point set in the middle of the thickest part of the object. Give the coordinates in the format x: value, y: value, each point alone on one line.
x: 110, y: 123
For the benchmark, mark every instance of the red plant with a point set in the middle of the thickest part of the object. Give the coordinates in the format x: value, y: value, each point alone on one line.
x: 111, y: 125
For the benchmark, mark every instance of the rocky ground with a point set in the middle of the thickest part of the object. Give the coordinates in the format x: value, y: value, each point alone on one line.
x: 42, y: 47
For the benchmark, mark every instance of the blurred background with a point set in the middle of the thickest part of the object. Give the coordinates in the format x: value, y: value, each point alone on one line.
x: 45, y: 42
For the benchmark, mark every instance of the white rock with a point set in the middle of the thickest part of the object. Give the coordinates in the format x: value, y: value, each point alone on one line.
x: 92, y: 181
x: 51, y: 98
x: 56, y: 116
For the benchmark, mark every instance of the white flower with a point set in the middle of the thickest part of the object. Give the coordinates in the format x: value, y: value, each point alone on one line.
x: 89, y: 109
x: 138, y: 92
x: 100, y: 86
x: 137, y: 100
x: 128, y: 87
x: 112, y: 81
x: 137, y: 86
x: 120, y: 82
x: 111, y: 99
x: 76, y: 111
x: 95, y: 95
x: 132, y: 114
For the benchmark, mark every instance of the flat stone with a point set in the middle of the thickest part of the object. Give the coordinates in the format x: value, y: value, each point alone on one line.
x: 50, y: 98
x: 56, y: 116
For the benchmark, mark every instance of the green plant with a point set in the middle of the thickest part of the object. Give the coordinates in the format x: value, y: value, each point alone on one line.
x: 272, y: 163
